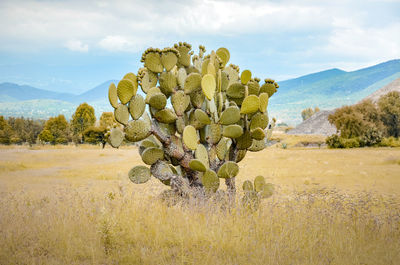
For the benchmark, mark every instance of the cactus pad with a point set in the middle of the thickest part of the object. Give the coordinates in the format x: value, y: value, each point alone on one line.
x: 230, y: 115
x: 228, y: 170
x: 137, y: 130
x: 267, y: 190
x: 259, y: 120
x: 245, y: 77
x: 197, y: 165
x: 244, y: 141
x: 259, y: 183
x: 126, y: 89
x: 222, y: 148
x: 250, y: 104
x: 151, y: 155
x: 247, y: 186
x: 112, y: 95
x: 121, y: 114
x: 139, y: 174
x: 148, y: 79
x: 166, y: 116
x: 136, y: 106
x: 157, y: 100
x: 116, y: 137
x: 180, y: 101
x: 257, y: 145
x: 169, y: 58
x: 268, y: 88
x: 202, y: 155
x: 210, y: 181
x: 192, y: 83
x: 263, y: 102
x: 190, y: 137
x: 214, y: 133
x: 233, y: 131
x: 202, y: 117
x: 168, y: 82
x: 224, y: 55
x: 236, y: 90
x: 208, y: 86
x: 152, y: 60
x: 258, y: 134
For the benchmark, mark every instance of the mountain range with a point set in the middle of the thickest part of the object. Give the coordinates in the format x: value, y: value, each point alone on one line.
x: 328, y: 89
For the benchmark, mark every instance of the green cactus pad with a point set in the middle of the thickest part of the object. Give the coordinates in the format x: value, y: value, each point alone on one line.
x: 202, y: 155
x: 166, y: 116
x: 267, y: 190
x: 190, y: 137
x: 259, y: 120
x: 180, y: 102
x: 263, y: 102
x: 247, y: 186
x: 214, y: 133
x: 151, y: 155
x: 254, y: 87
x: 233, y: 131
x: 224, y: 55
x: 158, y: 100
x: 126, y: 89
x: 116, y: 137
x: 146, y: 143
x: 258, y: 134
x: 168, y: 83
x: 211, y: 69
x: 132, y: 77
x: 121, y: 114
x: 250, y: 104
x: 151, y: 92
x: 169, y: 59
x: 180, y: 124
x: 202, y: 117
x: 168, y: 128
x: 228, y: 170
x: 222, y: 148
x: 240, y: 155
x: 181, y: 77
x: 192, y: 83
x: 259, y: 183
x: 148, y: 80
x: 196, y: 164
x: 245, y: 77
x: 208, y: 86
x: 153, y: 62
x: 244, y: 141
x: 233, y: 74
x: 137, y: 106
x: 230, y: 115
x: 210, y: 181
x: 251, y: 201
x: 257, y: 145
x: 197, y: 98
x: 195, y: 122
x: 137, y: 130
x: 139, y: 174
x: 112, y: 95
x: 184, y: 51
x: 268, y: 88
x: 224, y: 81
x: 236, y: 90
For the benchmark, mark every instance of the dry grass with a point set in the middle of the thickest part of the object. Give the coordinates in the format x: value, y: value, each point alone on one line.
x: 75, y: 206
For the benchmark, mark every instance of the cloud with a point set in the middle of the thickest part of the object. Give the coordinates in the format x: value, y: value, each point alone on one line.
x: 77, y: 46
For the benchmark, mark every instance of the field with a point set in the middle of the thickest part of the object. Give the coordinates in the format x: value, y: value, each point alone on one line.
x: 75, y: 205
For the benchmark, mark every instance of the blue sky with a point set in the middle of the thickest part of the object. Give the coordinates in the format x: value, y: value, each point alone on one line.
x: 75, y: 45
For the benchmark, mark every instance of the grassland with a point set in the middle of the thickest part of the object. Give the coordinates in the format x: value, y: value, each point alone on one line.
x: 69, y: 205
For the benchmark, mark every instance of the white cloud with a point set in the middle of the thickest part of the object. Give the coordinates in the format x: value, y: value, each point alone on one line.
x: 77, y: 46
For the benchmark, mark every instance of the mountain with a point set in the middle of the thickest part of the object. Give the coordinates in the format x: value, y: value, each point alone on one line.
x: 329, y: 89
x: 393, y: 86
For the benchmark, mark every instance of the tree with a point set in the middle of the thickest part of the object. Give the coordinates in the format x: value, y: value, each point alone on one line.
x: 6, y: 131
x: 389, y: 106
x: 107, y: 119
x: 308, y: 112
x: 55, y: 131
x: 82, y: 119
x: 217, y: 115
x: 95, y: 135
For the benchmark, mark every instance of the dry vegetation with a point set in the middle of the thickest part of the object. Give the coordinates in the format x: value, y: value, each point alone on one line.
x: 68, y: 205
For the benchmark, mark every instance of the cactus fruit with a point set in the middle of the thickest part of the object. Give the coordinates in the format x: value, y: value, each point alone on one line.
x: 203, y: 116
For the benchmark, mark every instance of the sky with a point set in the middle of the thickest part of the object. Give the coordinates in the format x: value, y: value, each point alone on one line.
x: 73, y: 46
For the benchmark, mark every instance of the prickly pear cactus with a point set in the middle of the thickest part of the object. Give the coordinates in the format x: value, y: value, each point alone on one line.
x: 195, y: 120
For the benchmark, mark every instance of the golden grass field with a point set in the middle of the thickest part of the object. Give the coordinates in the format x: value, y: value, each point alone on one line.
x: 75, y: 205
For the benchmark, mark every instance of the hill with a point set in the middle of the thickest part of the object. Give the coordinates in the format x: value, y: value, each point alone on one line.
x: 393, y: 86
x: 329, y: 89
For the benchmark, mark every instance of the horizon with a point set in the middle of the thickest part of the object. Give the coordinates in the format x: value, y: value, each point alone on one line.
x: 71, y: 46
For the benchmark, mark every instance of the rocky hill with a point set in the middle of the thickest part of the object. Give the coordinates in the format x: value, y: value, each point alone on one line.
x: 393, y: 86
x: 316, y: 124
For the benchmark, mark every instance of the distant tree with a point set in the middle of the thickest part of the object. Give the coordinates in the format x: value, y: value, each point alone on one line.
x: 389, y: 106
x: 308, y: 112
x: 6, y: 131
x: 82, y: 119
x: 95, y: 135
x: 56, y: 130
x: 25, y: 130
x: 107, y: 119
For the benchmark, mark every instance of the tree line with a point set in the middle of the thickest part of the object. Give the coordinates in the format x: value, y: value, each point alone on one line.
x: 367, y: 123
x: 82, y: 128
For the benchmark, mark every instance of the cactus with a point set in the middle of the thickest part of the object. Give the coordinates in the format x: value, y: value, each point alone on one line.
x: 198, y: 119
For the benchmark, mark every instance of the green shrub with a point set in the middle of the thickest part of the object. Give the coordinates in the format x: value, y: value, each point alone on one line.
x: 371, y: 137
x: 335, y: 141
x: 390, y: 142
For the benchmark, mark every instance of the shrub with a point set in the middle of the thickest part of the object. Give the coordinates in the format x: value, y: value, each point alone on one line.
x: 390, y: 142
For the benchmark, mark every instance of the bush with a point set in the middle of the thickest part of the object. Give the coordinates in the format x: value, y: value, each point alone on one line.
x: 390, y: 142
x: 335, y: 141
x: 95, y: 135
x: 371, y: 137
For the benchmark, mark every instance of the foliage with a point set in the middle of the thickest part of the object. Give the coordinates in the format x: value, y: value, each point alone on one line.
x: 389, y: 106
x: 25, y: 130
x: 6, y: 131
x: 55, y: 131
x: 308, y: 112
x: 107, y: 119
x: 335, y: 141
x: 390, y: 142
x: 217, y: 115
x: 95, y: 135
x: 82, y: 119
